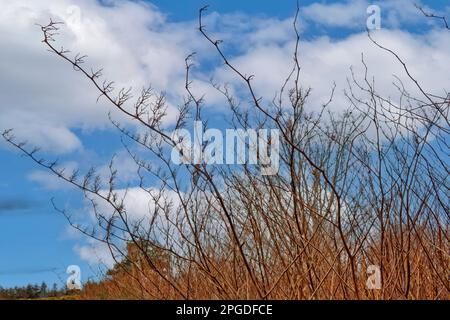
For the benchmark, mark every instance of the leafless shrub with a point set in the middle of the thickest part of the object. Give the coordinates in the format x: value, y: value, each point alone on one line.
x: 365, y: 187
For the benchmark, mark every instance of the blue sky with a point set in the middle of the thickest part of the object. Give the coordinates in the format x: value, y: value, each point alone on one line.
x: 53, y: 107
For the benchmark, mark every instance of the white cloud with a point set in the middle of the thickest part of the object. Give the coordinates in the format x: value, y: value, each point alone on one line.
x: 95, y: 252
x: 325, y: 61
x: 348, y: 14
x: 44, y: 99
x: 353, y: 14
x: 139, y: 206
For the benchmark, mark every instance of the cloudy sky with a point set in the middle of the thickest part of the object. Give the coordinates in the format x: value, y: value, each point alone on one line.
x: 145, y: 42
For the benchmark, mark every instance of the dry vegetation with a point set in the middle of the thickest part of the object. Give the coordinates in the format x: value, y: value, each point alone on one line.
x: 365, y: 187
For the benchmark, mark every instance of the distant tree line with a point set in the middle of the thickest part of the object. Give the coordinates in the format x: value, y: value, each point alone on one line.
x: 32, y: 291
